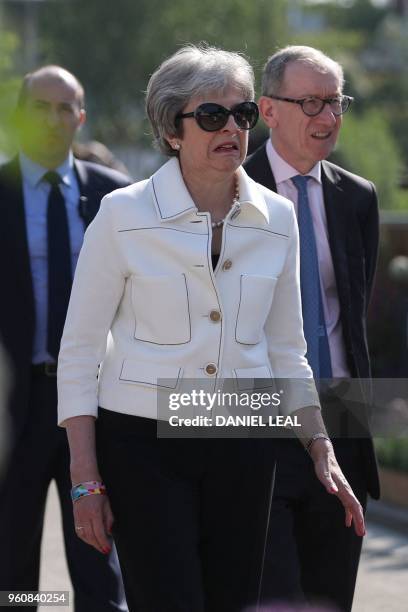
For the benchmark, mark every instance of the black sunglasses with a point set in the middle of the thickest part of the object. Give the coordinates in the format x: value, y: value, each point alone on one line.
x: 212, y: 117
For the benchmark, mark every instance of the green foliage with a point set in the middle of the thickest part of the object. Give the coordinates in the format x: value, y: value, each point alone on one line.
x: 8, y: 90
x: 401, y: 201
x: 367, y: 147
x: 113, y: 48
x: 335, y: 43
x: 372, y: 44
x: 393, y: 453
x: 348, y: 28
x: 359, y: 15
x: 389, y: 54
x: 115, y: 51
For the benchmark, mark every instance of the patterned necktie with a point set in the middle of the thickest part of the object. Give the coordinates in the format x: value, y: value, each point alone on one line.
x: 59, y: 263
x: 314, y: 326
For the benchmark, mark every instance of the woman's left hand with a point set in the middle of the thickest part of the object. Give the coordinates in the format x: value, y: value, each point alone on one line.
x: 330, y: 475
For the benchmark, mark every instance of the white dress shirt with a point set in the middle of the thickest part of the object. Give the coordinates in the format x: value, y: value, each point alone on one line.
x: 283, y: 172
x: 35, y: 192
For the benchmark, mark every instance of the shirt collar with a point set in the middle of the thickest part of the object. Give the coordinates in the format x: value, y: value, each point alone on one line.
x: 33, y: 172
x: 173, y: 199
x: 282, y: 171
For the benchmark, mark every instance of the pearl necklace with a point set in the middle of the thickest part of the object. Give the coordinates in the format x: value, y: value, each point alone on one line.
x: 235, y: 200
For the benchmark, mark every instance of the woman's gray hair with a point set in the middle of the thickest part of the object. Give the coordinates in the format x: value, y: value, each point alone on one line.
x: 192, y: 71
x: 274, y: 69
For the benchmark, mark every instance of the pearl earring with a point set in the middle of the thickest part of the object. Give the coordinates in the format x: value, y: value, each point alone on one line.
x: 176, y: 146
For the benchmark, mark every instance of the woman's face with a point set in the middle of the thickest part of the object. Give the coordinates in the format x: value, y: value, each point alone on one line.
x: 212, y: 153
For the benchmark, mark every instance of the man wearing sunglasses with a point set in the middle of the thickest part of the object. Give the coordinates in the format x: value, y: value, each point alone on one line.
x: 314, y: 556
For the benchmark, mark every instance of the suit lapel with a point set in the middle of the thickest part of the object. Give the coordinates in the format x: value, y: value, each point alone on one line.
x: 89, y: 197
x: 335, y: 202
x: 15, y: 241
x: 259, y: 168
x: 336, y: 206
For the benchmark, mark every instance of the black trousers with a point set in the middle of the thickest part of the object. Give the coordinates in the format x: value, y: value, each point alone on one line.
x: 190, y: 515
x: 39, y: 456
x: 311, y: 554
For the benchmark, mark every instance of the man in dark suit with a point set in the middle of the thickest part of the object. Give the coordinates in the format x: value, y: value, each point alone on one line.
x: 312, y: 554
x: 47, y: 198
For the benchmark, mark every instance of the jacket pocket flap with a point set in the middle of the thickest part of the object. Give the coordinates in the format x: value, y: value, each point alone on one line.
x: 252, y: 379
x: 152, y: 375
x: 255, y: 301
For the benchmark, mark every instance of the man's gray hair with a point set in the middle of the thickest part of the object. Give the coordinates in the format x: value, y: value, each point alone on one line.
x: 192, y: 71
x: 274, y: 69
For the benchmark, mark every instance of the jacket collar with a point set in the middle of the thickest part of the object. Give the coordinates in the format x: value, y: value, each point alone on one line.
x: 172, y: 199
x: 89, y: 195
x: 258, y: 167
x: 250, y: 194
x: 33, y: 172
x: 283, y: 171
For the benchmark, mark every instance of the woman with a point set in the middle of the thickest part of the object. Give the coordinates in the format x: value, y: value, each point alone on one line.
x: 191, y: 274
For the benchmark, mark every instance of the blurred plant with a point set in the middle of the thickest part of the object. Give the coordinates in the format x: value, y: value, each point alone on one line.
x: 386, y: 60
x: 367, y: 147
x: 374, y: 137
x: 393, y: 453
x: 9, y: 85
x: 137, y: 37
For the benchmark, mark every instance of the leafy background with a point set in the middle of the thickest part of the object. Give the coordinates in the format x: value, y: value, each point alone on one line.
x: 114, y: 45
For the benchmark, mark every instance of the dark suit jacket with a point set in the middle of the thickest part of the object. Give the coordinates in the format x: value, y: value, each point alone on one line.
x: 353, y: 226
x: 17, y: 316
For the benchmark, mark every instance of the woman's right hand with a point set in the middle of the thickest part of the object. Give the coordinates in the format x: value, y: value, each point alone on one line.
x: 92, y: 513
x: 93, y: 520
x: 332, y: 478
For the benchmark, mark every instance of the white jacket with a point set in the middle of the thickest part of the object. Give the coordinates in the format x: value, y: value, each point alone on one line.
x: 147, y: 305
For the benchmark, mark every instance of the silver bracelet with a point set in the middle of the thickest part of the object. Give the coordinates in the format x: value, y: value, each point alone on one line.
x: 312, y: 440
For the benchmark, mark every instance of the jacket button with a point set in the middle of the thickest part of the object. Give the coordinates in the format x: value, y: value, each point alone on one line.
x: 211, y: 369
x: 215, y: 316
x: 227, y: 264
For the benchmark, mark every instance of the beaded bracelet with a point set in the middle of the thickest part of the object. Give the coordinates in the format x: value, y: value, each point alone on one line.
x: 91, y: 487
x: 312, y: 440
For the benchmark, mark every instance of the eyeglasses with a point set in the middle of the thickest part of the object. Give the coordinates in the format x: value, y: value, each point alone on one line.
x: 312, y: 105
x: 212, y: 117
